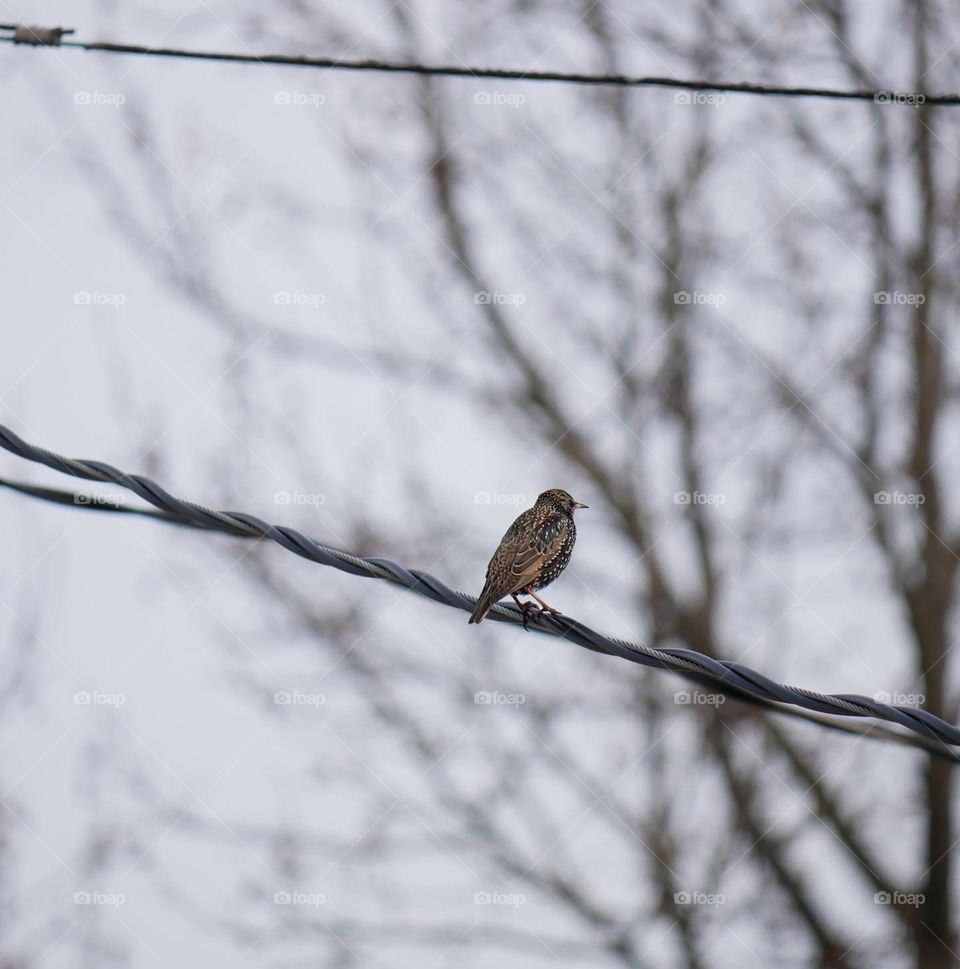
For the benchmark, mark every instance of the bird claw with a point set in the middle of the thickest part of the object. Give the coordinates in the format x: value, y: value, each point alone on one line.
x: 538, y: 611
x: 525, y: 612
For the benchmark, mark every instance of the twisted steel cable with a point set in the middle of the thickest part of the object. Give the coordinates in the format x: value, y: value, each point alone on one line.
x: 929, y: 732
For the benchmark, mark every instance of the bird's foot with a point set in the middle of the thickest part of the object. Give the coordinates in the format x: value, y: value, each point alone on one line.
x: 544, y: 608
x: 525, y: 609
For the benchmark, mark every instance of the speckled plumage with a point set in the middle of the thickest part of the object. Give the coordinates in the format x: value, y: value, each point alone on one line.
x: 534, y: 551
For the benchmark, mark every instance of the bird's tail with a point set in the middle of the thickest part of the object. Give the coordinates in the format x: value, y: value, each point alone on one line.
x: 484, y: 605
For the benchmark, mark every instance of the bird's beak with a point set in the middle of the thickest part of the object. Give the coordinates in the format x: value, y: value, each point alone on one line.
x: 580, y: 504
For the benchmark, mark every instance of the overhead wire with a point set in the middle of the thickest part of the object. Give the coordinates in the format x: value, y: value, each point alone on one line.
x: 927, y: 731
x: 54, y: 37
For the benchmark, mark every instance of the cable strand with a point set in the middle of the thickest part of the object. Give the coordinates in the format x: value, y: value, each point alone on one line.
x: 927, y: 731
x: 53, y: 37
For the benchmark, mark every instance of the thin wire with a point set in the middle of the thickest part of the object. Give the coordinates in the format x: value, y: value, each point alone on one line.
x: 107, y: 504
x: 933, y: 734
x: 50, y: 37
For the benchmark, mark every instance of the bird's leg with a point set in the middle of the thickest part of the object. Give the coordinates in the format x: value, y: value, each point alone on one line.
x: 543, y: 606
x: 524, y: 608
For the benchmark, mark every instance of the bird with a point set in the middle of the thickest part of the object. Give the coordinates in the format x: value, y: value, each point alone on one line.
x: 534, y: 551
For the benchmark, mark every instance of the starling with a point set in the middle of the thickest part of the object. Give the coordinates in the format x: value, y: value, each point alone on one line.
x: 534, y: 551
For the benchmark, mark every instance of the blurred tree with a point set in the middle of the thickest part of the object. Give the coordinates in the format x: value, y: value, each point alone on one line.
x: 728, y: 323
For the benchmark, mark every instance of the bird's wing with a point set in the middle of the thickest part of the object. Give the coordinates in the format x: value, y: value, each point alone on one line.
x: 527, y: 550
